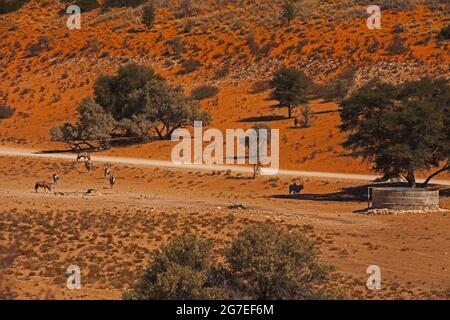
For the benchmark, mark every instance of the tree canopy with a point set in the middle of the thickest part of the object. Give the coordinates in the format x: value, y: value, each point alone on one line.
x: 133, y: 103
x: 401, y: 129
x: 290, y: 88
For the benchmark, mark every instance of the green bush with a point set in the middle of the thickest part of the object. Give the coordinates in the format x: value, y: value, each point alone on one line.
x: 270, y: 263
x: 179, y: 271
x: 290, y: 88
x: 262, y: 262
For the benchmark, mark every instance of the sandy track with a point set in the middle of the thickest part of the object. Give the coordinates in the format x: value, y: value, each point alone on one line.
x: 15, y: 152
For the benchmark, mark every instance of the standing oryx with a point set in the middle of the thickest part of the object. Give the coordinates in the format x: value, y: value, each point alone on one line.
x: 56, y: 176
x: 44, y: 185
x: 112, y: 181
x: 108, y: 171
x: 88, y: 165
x: 295, y: 188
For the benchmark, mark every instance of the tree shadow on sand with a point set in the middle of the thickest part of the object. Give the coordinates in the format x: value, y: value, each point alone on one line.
x: 353, y: 194
x: 266, y: 118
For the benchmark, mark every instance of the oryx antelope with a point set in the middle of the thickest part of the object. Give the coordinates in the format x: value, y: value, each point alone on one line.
x: 84, y: 155
x: 44, y: 185
x: 112, y: 181
x: 56, y: 176
x: 88, y: 165
x: 108, y: 171
x: 296, y: 188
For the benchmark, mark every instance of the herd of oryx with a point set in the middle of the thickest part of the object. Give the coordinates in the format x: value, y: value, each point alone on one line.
x: 294, y: 189
x: 86, y: 157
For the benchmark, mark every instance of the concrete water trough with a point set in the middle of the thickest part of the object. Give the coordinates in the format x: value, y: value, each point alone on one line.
x: 405, y: 199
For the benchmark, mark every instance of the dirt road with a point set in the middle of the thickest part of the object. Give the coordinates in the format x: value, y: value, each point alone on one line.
x: 15, y: 152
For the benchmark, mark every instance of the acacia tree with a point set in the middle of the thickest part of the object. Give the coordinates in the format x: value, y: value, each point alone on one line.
x: 94, y: 124
x: 166, y: 106
x: 401, y: 129
x: 290, y: 88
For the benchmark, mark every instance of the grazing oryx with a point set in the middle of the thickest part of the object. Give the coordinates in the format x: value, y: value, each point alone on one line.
x: 84, y: 155
x: 295, y: 188
x: 108, y: 170
x: 88, y: 165
x: 44, y: 185
x: 56, y: 176
x: 112, y: 181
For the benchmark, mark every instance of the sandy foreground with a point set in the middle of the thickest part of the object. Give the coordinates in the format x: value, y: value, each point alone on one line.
x: 111, y: 233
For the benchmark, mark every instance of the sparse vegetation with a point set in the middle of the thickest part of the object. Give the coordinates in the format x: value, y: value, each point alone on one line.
x: 85, y: 5
x: 204, y: 92
x: 190, y: 65
x: 307, y: 116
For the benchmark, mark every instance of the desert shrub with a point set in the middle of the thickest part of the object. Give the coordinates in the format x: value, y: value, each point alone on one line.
x: 179, y: 271
x: 7, y: 6
x: 263, y: 262
x: 185, y: 9
x: 397, y: 5
x: 42, y: 44
x: 269, y: 263
x: 336, y: 89
x: 396, y: 46
x: 307, y: 116
x: 177, y: 44
x: 290, y: 88
x: 288, y: 11
x: 398, y: 28
x: 261, y: 86
x: 190, y: 65
x: 148, y: 15
x: 222, y: 72
x: 8, y: 255
x: 204, y: 92
x: 444, y: 34
x: 6, y: 112
x: 85, y: 5
x: 122, y: 3
x: 401, y: 129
